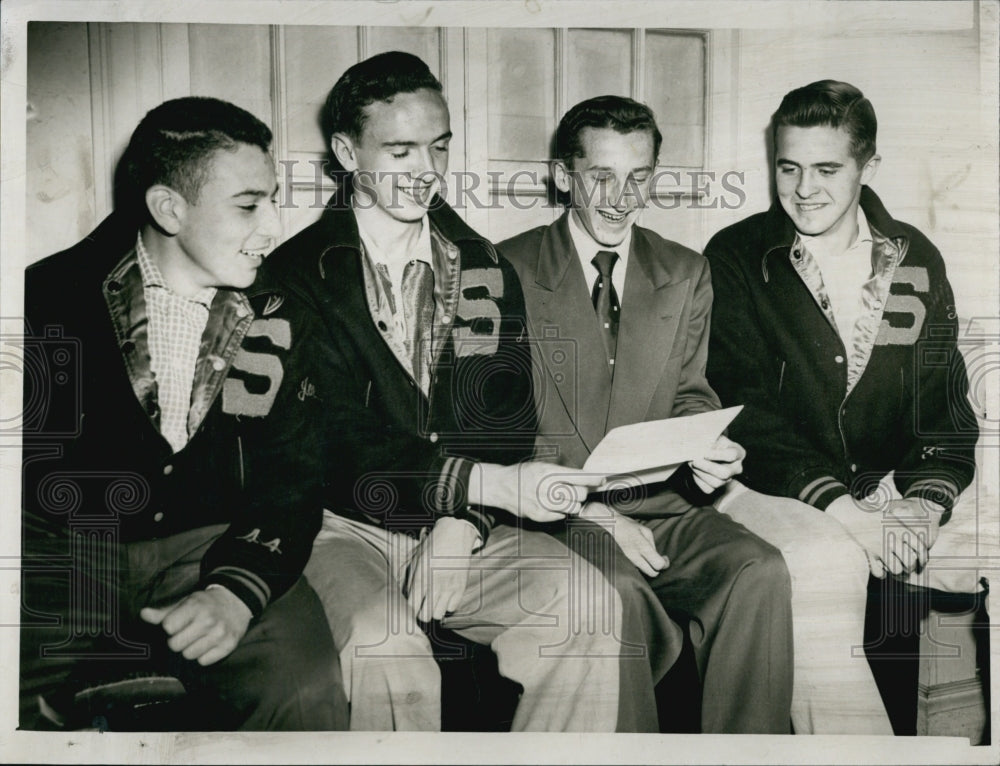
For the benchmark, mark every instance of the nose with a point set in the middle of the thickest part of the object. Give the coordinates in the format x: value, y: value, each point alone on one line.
x: 270, y: 222
x: 806, y: 186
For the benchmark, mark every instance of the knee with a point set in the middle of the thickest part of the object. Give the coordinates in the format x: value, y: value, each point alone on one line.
x: 762, y: 567
x: 382, y: 628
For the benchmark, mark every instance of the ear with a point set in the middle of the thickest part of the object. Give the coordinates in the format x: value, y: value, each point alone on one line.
x: 870, y: 169
x: 167, y: 208
x: 561, y: 176
x: 343, y: 149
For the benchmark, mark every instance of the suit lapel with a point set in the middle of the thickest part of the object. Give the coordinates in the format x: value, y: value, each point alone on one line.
x: 566, y: 313
x: 651, y: 310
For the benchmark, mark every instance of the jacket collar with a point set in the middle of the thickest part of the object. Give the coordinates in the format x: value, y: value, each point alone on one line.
x: 558, y: 252
x: 228, y: 322
x: 779, y: 231
x: 340, y: 227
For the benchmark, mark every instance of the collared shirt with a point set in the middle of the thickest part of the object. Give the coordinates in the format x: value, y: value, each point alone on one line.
x: 384, y: 293
x: 587, y: 248
x: 391, y: 266
x: 844, y: 274
x: 176, y: 325
x: 860, y: 278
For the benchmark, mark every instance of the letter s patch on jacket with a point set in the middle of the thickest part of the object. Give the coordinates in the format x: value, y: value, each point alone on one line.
x: 477, y: 330
x: 256, y: 376
x: 908, y: 308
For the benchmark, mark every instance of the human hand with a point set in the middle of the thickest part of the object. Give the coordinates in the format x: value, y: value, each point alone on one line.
x: 635, y: 539
x: 720, y: 464
x: 439, y: 568
x: 532, y: 490
x: 204, y: 626
x: 899, y: 547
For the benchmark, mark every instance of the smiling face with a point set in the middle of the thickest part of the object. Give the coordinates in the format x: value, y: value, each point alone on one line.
x: 221, y: 238
x: 818, y: 180
x: 609, y: 184
x: 401, y: 154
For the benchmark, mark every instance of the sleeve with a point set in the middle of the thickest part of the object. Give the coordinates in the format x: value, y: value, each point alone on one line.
x: 779, y: 460
x: 941, y: 431
x: 269, y: 392
x: 694, y: 394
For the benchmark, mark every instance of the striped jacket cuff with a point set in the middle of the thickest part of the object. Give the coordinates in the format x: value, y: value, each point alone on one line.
x: 449, y: 493
x: 248, y: 586
x: 937, y: 490
x: 821, y: 491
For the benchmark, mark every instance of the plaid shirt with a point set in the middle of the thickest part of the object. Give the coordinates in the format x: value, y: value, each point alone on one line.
x: 176, y: 325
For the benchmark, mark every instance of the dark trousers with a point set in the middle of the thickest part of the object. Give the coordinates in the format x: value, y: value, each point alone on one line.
x: 650, y: 640
x: 81, y: 596
x: 736, y: 591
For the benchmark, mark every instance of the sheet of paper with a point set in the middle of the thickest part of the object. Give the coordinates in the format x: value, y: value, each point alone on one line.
x: 643, y: 453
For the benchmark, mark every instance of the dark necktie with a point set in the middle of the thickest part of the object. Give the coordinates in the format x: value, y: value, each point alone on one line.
x: 606, y: 305
x: 417, y: 292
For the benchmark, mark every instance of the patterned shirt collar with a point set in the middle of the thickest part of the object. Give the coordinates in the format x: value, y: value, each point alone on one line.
x: 153, y: 277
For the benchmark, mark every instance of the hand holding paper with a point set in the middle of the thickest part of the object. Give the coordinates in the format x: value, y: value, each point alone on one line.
x: 643, y: 453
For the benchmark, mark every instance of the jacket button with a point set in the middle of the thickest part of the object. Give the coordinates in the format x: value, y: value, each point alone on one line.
x: 168, y: 469
x: 241, y: 312
x: 158, y: 516
x: 382, y: 326
x: 838, y: 359
x: 878, y: 305
x: 114, y: 286
x: 128, y: 347
x: 434, y: 437
x: 854, y: 467
x: 446, y: 320
x: 825, y: 304
x: 218, y: 365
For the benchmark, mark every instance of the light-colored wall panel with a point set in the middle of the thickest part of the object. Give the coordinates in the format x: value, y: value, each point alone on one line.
x: 59, y: 162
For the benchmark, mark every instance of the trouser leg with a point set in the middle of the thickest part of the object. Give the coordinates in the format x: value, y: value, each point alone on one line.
x: 834, y: 691
x: 549, y: 615
x: 282, y: 676
x: 650, y: 640
x: 390, y: 675
x: 735, y: 587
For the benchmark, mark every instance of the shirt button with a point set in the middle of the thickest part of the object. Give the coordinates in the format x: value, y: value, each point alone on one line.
x: 168, y: 469
x: 838, y: 359
x: 158, y: 516
x: 218, y: 365
x: 434, y: 437
x: 446, y: 320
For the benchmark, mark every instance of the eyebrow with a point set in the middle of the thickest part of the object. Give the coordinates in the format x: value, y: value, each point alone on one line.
x: 828, y: 164
x: 642, y: 169
x: 256, y: 193
x: 442, y: 137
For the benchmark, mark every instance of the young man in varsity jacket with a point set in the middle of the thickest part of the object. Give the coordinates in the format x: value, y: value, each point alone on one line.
x: 166, y: 519
x: 835, y: 326
x: 414, y: 343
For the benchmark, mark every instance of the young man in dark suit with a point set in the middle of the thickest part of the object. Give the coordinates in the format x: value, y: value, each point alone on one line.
x: 636, y: 308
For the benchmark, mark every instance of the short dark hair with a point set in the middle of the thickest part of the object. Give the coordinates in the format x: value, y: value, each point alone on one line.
x: 617, y: 112
x: 171, y: 144
x: 378, y: 78
x: 834, y: 104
